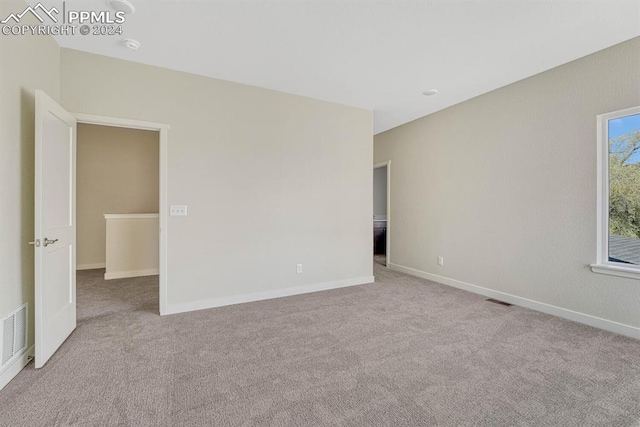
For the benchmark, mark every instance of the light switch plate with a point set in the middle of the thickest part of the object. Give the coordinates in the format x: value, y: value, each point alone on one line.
x: 178, y: 210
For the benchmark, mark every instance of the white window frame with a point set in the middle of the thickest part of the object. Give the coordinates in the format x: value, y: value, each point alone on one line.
x: 603, y: 265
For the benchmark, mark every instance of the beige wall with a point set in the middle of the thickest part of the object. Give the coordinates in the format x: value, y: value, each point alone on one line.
x: 271, y: 180
x: 26, y: 63
x: 132, y: 246
x: 504, y: 186
x: 117, y: 172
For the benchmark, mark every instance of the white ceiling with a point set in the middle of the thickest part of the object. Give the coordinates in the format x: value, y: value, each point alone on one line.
x: 374, y: 54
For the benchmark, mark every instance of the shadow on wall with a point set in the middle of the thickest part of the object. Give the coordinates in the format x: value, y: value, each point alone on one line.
x: 27, y: 159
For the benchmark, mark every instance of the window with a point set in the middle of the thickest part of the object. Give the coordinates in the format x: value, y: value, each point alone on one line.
x: 619, y: 193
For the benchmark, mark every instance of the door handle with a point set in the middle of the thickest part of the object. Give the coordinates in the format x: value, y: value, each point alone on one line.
x: 35, y: 243
x: 48, y: 242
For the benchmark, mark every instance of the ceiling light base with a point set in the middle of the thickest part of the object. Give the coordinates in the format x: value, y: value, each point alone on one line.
x: 131, y: 44
x: 121, y: 5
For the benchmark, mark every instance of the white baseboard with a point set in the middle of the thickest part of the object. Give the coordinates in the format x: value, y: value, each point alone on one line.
x: 132, y: 273
x: 90, y: 266
x: 597, y: 322
x: 15, y: 367
x: 259, y: 296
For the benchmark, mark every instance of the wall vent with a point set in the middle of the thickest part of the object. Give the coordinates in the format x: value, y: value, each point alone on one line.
x: 495, y: 301
x: 13, y: 335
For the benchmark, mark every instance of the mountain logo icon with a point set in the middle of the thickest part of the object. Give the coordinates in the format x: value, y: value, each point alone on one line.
x: 36, y: 11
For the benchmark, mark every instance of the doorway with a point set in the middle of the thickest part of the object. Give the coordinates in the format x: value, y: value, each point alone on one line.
x: 381, y: 213
x: 55, y: 220
x: 149, y: 267
x: 117, y: 202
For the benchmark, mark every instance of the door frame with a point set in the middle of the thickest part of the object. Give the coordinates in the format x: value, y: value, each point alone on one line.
x: 163, y: 130
x: 388, y: 165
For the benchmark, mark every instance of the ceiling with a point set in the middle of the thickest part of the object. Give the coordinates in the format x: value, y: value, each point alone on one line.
x: 374, y: 54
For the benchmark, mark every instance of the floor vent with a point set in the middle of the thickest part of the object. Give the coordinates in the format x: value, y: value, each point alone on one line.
x: 495, y: 301
x: 13, y: 335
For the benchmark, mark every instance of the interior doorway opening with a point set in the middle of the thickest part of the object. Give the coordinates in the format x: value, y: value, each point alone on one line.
x: 55, y: 184
x: 133, y: 223
x: 381, y: 213
x: 117, y: 214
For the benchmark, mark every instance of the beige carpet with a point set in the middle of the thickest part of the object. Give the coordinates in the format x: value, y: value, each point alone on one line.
x: 401, y: 352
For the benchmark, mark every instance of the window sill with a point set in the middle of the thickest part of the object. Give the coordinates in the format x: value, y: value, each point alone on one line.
x: 614, y: 270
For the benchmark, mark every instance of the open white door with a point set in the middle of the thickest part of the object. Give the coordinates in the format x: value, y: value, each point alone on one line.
x: 55, y: 227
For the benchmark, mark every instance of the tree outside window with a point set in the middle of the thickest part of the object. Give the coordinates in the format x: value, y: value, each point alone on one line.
x: 624, y: 189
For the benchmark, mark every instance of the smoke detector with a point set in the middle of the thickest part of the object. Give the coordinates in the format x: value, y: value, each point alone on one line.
x: 121, y: 5
x: 430, y: 92
x: 131, y: 44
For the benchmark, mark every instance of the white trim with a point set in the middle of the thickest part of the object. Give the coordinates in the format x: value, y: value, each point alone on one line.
x: 602, y: 186
x: 132, y: 273
x: 260, y: 296
x: 603, y: 265
x: 388, y: 219
x: 164, y: 207
x: 616, y: 269
x: 586, y: 319
x: 163, y: 130
x: 14, y: 368
x: 91, y: 266
x: 91, y: 119
x: 132, y: 216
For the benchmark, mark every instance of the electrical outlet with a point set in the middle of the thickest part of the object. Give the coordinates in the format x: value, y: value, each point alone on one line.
x: 298, y: 268
x: 178, y: 210
x: 440, y: 260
